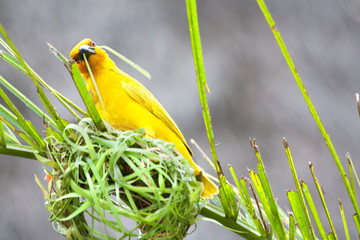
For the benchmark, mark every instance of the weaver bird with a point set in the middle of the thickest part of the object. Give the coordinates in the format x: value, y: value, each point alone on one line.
x: 127, y: 105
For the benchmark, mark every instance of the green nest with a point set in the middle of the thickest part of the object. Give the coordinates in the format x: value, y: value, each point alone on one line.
x: 119, y: 185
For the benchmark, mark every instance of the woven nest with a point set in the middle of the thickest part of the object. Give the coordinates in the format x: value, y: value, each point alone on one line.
x: 119, y: 185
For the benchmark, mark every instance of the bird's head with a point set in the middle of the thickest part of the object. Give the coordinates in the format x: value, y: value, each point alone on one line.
x: 96, y: 56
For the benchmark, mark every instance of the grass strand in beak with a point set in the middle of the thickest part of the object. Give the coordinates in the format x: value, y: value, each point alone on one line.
x: 128, y: 61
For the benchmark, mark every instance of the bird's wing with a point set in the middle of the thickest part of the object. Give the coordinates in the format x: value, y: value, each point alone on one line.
x: 145, y: 98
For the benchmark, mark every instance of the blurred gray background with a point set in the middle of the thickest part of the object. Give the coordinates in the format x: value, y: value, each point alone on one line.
x: 253, y: 93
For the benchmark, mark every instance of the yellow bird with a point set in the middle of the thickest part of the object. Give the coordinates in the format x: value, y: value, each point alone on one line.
x: 127, y: 105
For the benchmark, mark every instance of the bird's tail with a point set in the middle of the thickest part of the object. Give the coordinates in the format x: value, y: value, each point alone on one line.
x: 209, y: 187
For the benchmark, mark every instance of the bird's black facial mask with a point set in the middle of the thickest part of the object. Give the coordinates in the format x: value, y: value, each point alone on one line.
x: 84, y: 49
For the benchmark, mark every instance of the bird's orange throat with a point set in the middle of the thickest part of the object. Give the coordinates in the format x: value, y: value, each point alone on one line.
x: 97, y: 62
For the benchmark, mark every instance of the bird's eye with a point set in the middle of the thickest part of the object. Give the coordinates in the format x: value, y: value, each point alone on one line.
x: 93, y: 43
x: 76, y: 60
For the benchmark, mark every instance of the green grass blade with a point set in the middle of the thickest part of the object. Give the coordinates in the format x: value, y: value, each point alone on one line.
x: 298, y: 187
x: 12, y: 60
x: 2, y: 135
x: 18, y: 151
x: 268, y: 228
x: 215, y: 213
x: 292, y: 227
x: 278, y: 228
x: 57, y: 54
x: 86, y: 97
x: 228, y: 200
x: 259, y: 223
x: 13, y: 125
x: 192, y: 141
x: 237, y: 183
x: 311, y: 107
x: 200, y: 74
x: 6, y: 135
x: 10, y: 136
x: 331, y: 236
x: 26, y: 125
x: 353, y: 170
x: 344, y: 220
x: 357, y: 224
x: 128, y: 61
x: 246, y: 200
x: 6, y: 46
x: 320, y: 192
x: 20, y: 133
x: 95, y: 85
x: 54, y: 135
x: 27, y: 101
x: 357, y: 97
x: 67, y: 103
x: 47, y: 161
x: 351, y: 176
x: 300, y: 215
x: 277, y: 223
x: 10, y: 118
x: 313, y: 209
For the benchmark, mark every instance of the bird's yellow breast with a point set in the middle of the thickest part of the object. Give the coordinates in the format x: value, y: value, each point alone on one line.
x: 119, y: 109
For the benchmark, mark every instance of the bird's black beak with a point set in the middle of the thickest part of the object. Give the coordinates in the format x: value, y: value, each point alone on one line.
x: 87, y: 50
